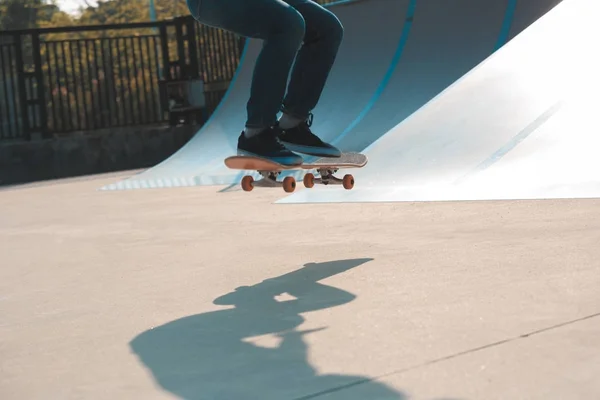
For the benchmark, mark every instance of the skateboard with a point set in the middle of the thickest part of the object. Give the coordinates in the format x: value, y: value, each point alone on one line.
x: 325, y: 167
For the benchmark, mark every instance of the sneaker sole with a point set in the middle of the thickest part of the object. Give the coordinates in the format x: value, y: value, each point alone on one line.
x: 291, y: 161
x: 313, y: 151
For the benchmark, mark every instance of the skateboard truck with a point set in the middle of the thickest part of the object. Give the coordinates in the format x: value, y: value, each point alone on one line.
x: 327, y: 177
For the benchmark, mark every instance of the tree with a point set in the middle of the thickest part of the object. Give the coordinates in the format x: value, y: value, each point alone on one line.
x: 25, y: 14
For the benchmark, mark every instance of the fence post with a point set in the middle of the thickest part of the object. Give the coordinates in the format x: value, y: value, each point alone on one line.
x: 39, y: 78
x: 164, y: 47
x: 20, y: 64
x: 181, y: 61
x: 190, y: 31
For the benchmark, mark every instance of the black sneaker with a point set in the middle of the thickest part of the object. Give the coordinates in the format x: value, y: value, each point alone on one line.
x: 267, y: 145
x: 300, y: 139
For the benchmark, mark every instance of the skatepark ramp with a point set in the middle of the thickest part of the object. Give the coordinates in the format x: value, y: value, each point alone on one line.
x: 396, y: 56
x: 519, y: 126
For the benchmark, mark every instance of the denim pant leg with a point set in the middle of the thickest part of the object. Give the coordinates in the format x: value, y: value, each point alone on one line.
x: 323, y: 36
x: 282, y: 29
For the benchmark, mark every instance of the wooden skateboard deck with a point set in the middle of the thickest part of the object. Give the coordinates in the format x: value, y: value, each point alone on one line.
x: 326, y: 167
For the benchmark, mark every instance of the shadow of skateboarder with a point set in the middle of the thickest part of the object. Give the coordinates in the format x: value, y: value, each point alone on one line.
x: 208, y: 356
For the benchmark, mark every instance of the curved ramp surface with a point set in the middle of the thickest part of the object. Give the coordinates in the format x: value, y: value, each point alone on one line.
x: 372, y: 32
x: 447, y: 39
x: 396, y: 55
x: 521, y: 125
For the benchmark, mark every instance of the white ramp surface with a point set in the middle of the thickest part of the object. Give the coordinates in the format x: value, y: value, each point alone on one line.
x: 521, y: 125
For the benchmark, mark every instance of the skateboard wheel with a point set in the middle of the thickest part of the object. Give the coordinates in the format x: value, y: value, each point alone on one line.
x: 247, y: 185
x: 309, y: 180
x: 348, y: 182
x: 289, y: 184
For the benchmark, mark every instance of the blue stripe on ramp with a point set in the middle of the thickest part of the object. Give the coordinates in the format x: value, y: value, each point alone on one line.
x: 395, y: 60
x: 511, y: 7
x: 516, y: 140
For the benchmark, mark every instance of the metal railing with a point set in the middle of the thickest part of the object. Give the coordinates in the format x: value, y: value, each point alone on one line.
x: 60, y: 80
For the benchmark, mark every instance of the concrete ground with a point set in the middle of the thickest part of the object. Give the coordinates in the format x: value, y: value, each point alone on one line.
x: 191, y: 293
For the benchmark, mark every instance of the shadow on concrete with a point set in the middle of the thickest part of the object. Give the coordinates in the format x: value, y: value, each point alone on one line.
x: 212, y: 356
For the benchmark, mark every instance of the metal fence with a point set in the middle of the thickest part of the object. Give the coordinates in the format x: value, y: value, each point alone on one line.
x: 60, y: 80
x: 98, y: 83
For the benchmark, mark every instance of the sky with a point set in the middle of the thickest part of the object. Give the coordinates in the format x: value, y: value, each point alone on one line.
x: 72, y: 6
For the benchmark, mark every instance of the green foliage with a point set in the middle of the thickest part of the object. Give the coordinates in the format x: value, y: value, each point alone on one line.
x: 26, y: 14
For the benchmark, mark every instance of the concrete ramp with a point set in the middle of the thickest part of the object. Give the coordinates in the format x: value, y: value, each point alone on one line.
x: 520, y: 125
x: 396, y: 56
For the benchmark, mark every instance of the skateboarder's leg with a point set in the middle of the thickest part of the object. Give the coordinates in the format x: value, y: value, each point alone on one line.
x: 281, y: 27
x: 322, y: 39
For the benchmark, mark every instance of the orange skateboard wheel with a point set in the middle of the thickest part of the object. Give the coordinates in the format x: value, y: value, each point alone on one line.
x: 289, y: 184
x: 247, y: 185
x: 309, y: 180
x: 348, y: 182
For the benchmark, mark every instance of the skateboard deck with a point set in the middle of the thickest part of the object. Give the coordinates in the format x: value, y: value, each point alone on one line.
x: 325, y: 167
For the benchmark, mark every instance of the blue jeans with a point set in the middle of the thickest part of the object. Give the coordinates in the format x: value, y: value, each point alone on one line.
x: 291, y: 29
